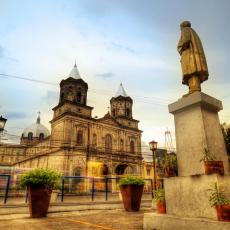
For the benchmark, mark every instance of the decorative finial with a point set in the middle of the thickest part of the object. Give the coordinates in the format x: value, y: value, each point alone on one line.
x: 108, y: 109
x: 38, y: 119
x: 75, y: 65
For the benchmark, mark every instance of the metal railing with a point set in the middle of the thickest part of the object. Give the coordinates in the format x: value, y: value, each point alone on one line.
x: 8, y: 176
x: 105, y: 180
x: 89, y: 186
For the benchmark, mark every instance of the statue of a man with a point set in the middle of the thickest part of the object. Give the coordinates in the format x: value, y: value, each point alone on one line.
x: 193, y: 61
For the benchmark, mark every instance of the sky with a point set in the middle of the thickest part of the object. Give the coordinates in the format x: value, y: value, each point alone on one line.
x: 128, y: 41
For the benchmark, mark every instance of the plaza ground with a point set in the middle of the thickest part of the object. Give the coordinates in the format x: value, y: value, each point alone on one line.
x: 89, y: 219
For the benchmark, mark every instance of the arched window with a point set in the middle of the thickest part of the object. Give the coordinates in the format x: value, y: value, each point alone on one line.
x: 62, y: 97
x: 132, y: 147
x: 80, y: 137
x: 108, y: 143
x: 127, y: 112
x: 41, y: 136
x: 77, y: 171
x: 94, y: 140
x: 121, y: 145
x: 30, y: 136
x: 114, y: 113
x: 79, y: 97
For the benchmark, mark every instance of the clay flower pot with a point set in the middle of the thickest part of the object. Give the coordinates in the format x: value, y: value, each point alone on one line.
x: 161, y: 207
x: 169, y: 172
x: 131, y: 196
x: 223, y: 212
x: 214, y: 167
x: 39, y: 200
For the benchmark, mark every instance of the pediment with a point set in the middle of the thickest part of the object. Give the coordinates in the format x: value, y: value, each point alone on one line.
x: 109, y: 120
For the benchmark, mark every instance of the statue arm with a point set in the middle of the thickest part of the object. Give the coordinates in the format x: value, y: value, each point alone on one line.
x: 185, y: 39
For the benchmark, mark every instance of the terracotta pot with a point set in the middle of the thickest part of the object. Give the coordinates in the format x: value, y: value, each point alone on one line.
x: 169, y: 172
x: 131, y: 197
x: 223, y: 212
x: 161, y: 208
x: 214, y: 167
x: 39, y: 200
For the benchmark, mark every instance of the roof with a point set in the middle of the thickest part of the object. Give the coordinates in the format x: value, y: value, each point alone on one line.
x: 121, y: 91
x: 36, y: 128
x: 74, y: 73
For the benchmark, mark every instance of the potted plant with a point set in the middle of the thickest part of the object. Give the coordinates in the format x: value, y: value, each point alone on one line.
x: 159, y: 198
x: 131, y: 188
x: 39, y: 183
x: 210, y: 164
x: 220, y: 202
x: 170, y: 165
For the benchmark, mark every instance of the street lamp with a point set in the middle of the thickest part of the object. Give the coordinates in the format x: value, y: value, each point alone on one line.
x: 153, y: 148
x: 2, y: 123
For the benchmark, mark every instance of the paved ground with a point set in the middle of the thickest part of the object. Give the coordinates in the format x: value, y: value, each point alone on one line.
x: 110, y: 220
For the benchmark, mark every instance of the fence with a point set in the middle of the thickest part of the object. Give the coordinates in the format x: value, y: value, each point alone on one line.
x: 71, y: 186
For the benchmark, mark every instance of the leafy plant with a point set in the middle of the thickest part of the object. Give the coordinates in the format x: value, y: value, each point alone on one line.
x: 39, y: 176
x: 159, y: 196
x: 207, y: 156
x: 127, y: 180
x: 170, y: 161
x: 217, y: 197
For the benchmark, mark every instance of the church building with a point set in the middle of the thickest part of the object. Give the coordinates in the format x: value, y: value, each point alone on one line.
x: 80, y: 144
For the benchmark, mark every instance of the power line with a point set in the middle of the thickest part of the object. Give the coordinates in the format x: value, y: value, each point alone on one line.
x: 157, y: 101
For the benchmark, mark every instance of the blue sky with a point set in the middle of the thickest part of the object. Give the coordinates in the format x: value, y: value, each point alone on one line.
x: 128, y: 41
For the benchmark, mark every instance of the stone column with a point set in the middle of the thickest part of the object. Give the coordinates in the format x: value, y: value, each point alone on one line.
x: 197, y: 126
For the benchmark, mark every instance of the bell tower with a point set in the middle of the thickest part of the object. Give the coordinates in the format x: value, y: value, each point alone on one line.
x: 73, y: 96
x: 121, y: 104
x: 73, y: 89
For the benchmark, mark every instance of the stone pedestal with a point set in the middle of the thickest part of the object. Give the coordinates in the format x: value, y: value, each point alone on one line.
x: 189, y: 196
x: 197, y: 126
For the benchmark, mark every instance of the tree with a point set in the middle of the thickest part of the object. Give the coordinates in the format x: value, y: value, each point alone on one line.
x: 226, y: 133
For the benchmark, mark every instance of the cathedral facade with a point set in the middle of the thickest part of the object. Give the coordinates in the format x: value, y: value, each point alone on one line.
x: 80, y: 144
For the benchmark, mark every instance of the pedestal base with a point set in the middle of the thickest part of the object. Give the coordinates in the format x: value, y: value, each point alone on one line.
x: 154, y: 221
x: 189, y: 196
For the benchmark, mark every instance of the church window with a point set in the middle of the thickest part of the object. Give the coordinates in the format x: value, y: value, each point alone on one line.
x: 148, y: 172
x: 94, y: 139
x: 128, y: 112
x: 41, y: 136
x: 77, y: 171
x: 30, y: 136
x: 114, y: 112
x: 79, y: 97
x: 132, y: 147
x: 80, y: 137
x: 121, y: 145
x: 108, y: 143
x: 62, y: 96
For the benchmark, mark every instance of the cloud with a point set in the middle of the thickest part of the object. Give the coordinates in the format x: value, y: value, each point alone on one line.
x: 105, y: 75
x: 16, y: 115
x: 121, y: 47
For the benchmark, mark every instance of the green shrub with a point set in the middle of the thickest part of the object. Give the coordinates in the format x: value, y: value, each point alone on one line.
x: 170, y: 161
x: 131, y: 180
x: 217, y: 197
x: 48, y: 177
x: 207, y: 156
x: 159, y: 196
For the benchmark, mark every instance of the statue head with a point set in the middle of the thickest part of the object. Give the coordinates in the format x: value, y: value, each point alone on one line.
x: 185, y: 24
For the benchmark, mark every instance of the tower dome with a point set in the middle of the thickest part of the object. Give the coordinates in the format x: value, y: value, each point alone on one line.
x: 36, y: 131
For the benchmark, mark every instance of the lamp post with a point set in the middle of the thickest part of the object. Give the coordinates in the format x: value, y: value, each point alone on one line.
x: 153, y: 148
x: 2, y: 125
